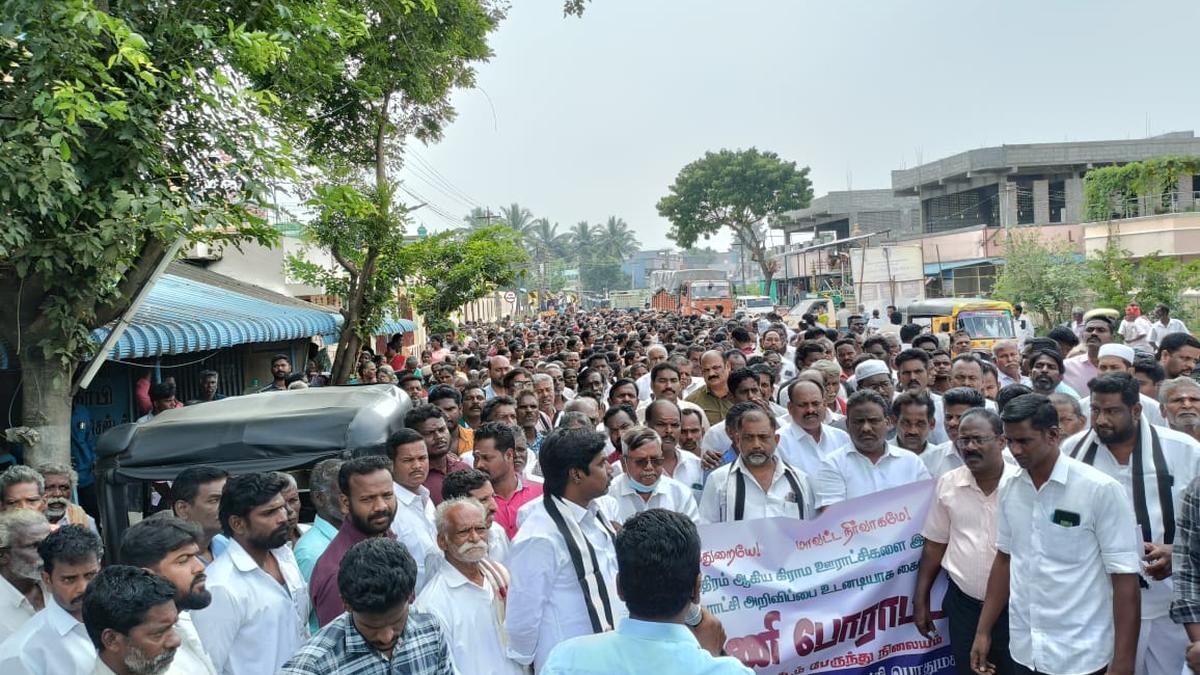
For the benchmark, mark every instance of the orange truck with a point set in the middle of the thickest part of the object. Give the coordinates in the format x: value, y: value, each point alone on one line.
x: 692, y: 292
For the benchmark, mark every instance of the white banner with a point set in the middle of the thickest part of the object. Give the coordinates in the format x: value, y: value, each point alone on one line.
x: 831, y: 595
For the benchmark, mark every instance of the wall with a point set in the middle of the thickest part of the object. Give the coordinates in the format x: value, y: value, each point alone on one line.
x: 1172, y: 234
x: 978, y: 242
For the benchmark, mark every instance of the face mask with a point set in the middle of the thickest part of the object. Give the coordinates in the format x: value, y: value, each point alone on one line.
x: 642, y: 489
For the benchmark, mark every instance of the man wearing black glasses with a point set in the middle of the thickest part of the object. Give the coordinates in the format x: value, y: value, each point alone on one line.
x: 960, y: 537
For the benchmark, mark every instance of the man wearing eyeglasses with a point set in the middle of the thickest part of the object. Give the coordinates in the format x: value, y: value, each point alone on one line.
x: 960, y: 537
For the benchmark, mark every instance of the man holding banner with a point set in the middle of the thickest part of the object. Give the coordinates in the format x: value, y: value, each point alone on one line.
x: 1067, y: 559
x: 960, y: 537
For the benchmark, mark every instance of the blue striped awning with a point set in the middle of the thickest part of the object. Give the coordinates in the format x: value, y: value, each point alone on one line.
x: 392, y: 326
x: 182, y: 314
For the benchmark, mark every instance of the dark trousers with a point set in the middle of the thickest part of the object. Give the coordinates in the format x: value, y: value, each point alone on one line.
x: 1022, y: 670
x: 962, y: 613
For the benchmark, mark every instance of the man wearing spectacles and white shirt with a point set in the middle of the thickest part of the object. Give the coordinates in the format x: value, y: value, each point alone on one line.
x: 643, y: 483
x: 759, y: 483
x: 869, y: 464
x: 1067, y: 559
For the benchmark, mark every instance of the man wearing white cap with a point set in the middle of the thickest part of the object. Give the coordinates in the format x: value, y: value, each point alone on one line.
x: 1115, y: 358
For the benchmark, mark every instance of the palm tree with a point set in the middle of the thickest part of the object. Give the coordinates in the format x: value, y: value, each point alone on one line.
x: 583, y: 239
x: 517, y: 217
x: 546, y: 241
x: 615, y: 240
x: 478, y: 218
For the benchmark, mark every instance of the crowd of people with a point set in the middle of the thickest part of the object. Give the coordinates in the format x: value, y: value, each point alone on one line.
x: 539, y: 510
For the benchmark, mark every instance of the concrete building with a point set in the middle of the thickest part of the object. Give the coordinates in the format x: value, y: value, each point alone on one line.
x: 1028, y: 184
x: 641, y: 264
x: 839, y: 215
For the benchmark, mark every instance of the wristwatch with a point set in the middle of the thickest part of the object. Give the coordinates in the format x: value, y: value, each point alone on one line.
x: 694, y: 617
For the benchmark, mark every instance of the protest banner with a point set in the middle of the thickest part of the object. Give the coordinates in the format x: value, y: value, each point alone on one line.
x: 830, y: 595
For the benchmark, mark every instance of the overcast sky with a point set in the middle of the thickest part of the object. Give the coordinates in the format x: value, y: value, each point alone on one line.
x: 580, y: 119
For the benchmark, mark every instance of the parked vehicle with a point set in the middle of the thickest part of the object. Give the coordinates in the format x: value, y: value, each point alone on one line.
x: 817, y: 306
x: 986, y: 320
x: 275, y: 431
x: 632, y: 299
x: 693, y: 292
x: 754, y: 305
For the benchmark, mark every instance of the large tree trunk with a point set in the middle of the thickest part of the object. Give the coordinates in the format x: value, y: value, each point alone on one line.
x: 46, y: 406
x: 346, y: 362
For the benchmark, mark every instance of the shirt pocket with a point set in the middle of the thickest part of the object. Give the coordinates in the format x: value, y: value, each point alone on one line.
x: 1069, y: 545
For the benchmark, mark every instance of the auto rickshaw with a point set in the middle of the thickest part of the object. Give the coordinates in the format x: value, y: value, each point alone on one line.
x: 985, y: 320
x: 273, y: 431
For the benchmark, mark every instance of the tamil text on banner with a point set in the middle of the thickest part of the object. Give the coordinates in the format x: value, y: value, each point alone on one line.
x: 831, y: 595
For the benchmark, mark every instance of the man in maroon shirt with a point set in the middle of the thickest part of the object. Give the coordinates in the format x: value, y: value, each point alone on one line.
x: 370, y: 505
x: 495, y: 455
x: 429, y: 421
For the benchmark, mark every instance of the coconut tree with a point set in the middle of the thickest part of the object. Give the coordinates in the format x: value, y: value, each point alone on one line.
x: 517, y: 217
x: 582, y: 239
x: 615, y: 240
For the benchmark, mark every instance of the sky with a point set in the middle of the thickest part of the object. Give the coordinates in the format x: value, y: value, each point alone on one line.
x: 586, y: 118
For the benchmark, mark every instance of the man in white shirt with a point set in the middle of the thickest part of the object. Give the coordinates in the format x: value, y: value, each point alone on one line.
x: 806, y: 441
x: 869, y: 464
x: 1024, y: 325
x: 772, y: 340
x: 21, y: 591
x: 655, y: 355
x: 413, y: 525
x: 563, y: 562
x: 1007, y: 356
x: 666, y: 383
x: 130, y: 616
x: 55, y: 641
x: 744, y: 386
x: 759, y: 483
x: 1153, y: 464
x: 1164, y: 325
x: 170, y: 547
x: 1115, y: 358
x: 912, y: 376
x: 1135, y: 328
x: 475, y: 484
x: 913, y: 416
x: 467, y: 596
x: 642, y: 484
x: 259, y: 611
x: 1067, y: 558
x: 666, y: 419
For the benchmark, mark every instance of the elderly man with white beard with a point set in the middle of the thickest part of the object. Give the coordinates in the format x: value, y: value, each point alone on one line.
x: 465, y: 596
x: 60, y: 481
x: 1179, y: 400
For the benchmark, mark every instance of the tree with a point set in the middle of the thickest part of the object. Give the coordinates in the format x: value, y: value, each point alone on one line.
x: 1044, y: 275
x: 545, y: 241
x: 1116, y: 278
x: 517, y: 217
x: 455, y: 267
x: 603, y: 276
x: 391, y: 83
x: 583, y: 240
x: 615, y: 240
x: 736, y: 190
x: 127, y: 126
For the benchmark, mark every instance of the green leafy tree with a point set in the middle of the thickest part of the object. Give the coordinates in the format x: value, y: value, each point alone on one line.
x: 1042, y: 274
x: 126, y: 127
x: 603, y: 276
x: 615, y: 240
x: 390, y: 84
x: 1111, y: 274
x: 517, y: 217
x: 453, y: 268
x: 734, y: 189
x: 1116, y: 278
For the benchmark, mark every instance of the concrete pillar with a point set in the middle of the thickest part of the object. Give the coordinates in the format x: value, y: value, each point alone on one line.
x: 1073, y: 189
x: 1008, y: 203
x: 1041, y: 202
x: 1187, y: 196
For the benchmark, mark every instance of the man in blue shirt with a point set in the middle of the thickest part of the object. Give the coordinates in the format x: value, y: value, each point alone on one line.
x: 658, y: 559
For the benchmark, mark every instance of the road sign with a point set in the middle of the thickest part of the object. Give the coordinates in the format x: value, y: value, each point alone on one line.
x: 510, y: 297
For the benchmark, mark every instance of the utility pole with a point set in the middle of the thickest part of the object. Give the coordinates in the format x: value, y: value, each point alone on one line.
x: 488, y: 216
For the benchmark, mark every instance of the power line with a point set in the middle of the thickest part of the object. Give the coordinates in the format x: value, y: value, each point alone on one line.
x: 445, y: 181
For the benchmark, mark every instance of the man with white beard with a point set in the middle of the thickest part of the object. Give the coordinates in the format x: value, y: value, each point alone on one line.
x: 466, y: 594
x: 60, y: 481
x: 1179, y: 399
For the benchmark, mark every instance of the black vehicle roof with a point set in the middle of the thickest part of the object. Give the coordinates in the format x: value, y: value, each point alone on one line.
x: 271, y: 431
